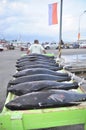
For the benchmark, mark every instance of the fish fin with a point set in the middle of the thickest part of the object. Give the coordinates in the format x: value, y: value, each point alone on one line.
x: 55, y: 97
x: 9, y: 84
x: 81, y: 82
x: 76, y: 103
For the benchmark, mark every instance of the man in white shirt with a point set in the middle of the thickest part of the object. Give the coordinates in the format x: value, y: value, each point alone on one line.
x: 36, y: 48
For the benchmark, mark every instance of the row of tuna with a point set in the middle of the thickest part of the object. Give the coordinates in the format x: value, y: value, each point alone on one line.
x: 40, y: 83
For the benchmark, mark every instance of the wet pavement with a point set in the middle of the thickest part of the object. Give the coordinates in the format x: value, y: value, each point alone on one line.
x: 75, y: 58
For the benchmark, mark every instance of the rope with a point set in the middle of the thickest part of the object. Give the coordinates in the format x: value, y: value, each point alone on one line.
x: 59, y: 50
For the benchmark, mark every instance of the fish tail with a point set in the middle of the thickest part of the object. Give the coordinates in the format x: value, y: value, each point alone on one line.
x: 9, y: 84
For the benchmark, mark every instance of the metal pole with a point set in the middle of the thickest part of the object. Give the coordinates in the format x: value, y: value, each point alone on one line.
x: 79, y: 29
x: 79, y: 25
x: 60, y: 30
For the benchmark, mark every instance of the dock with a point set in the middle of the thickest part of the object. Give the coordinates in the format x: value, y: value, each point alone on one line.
x: 76, y: 67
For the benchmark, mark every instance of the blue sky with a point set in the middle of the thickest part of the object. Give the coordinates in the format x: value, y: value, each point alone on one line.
x: 27, y: 20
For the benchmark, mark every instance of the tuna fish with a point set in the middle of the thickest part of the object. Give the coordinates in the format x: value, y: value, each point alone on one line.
x: 40, y: 66
x: 36, y: 56
x: 46, y: 99
x: 38, y: 71
x: 36, y: 62
x: 39, y: 59
x: 38, y: 77
x: 27, y: 87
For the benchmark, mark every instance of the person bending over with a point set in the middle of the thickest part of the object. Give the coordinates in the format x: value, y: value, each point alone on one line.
x: 36, y: 48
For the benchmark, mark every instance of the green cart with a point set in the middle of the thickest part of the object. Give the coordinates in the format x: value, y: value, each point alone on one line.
x: 42, y: 118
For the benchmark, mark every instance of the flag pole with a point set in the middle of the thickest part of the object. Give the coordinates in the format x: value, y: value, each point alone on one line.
x: 60, y: 29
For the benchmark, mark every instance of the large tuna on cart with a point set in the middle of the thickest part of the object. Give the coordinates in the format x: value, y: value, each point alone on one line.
x: 51, y: 100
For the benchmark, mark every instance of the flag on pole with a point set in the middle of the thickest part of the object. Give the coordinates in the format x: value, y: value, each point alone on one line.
x: 53, y: 18
x: 78, y: 36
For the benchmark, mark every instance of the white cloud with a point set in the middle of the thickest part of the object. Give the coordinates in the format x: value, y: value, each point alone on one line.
x: 31, y: 17
x: 69, y: 23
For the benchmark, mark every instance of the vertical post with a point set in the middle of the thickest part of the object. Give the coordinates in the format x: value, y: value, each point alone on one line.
x: 79, y: 29
x: 79, y: 35
x: 60, y: 30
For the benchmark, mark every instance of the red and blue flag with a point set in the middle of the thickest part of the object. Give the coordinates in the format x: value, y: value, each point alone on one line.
x: 53, y: 13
